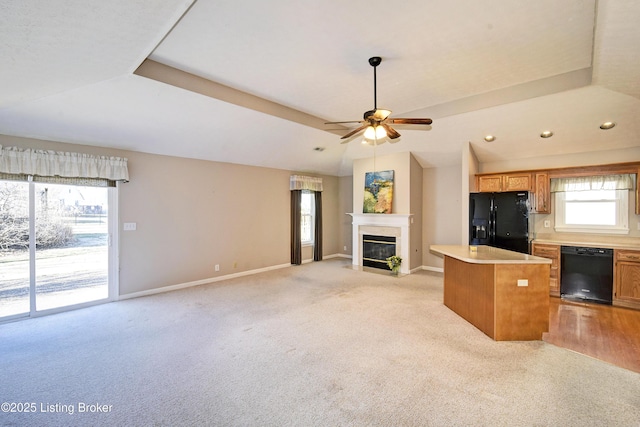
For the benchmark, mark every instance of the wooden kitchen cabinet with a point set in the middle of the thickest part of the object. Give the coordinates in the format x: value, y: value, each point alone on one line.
x: 504, y: 182
x: 552, y: 252
x: 489, y: 183
x: 542, y: 194
x: 638, y: 193
x: 517, y: 182
x: 627, y: 278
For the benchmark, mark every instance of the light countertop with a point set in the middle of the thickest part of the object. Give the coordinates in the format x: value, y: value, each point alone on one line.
x: 487, y: 255
x: 632, y: 245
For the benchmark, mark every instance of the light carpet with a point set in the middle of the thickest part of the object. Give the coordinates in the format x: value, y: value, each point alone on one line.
x: 320, y: 344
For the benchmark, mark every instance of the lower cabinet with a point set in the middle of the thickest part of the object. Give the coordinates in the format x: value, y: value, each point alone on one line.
x: 627, y: 278
x: 552, y: 252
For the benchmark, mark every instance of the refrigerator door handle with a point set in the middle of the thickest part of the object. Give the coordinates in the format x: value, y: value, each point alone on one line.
x: 492, y: 222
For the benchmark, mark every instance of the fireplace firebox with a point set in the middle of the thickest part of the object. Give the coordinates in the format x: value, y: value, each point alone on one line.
x: 376, y: 250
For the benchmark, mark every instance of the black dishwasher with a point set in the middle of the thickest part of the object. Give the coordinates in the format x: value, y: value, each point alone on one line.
x: 586, y: 274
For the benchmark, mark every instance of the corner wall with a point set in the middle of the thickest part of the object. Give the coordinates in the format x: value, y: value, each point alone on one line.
x: 442, y: 207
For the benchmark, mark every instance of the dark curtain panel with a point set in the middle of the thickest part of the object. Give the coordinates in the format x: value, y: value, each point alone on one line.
x: 317, y: 248
x: 296, y: 244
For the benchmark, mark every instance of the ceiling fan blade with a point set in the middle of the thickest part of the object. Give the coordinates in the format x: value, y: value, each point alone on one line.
x: 391, y: 132
x: 338, y: 123
x: 410, y: 121
x: 353, y: 132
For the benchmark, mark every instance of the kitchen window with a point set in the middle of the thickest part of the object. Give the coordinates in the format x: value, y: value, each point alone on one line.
x: 592, y: 204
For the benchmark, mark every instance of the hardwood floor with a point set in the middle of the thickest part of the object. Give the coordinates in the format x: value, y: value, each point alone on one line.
x: 605, y: 332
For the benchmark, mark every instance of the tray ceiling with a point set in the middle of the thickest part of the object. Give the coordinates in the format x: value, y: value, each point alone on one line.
x: 253, y: 82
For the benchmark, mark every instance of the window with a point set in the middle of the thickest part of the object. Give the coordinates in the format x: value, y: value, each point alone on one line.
x: 307, y: 218
x: 593, y: 211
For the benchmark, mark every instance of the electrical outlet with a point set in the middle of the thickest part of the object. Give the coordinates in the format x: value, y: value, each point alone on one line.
x: 547, y: 223
x: 217, y: 267
x: 345, y: 248
x: 523, y: 282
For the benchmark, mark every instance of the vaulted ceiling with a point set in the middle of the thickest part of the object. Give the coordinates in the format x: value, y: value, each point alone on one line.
x: 253, y: 82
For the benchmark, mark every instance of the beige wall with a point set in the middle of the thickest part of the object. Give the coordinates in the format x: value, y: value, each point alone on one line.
x: 442, y: 207
x: 415, y: 250
x: 345, y: 236
x: 194, y: 214
x: 400, y: 163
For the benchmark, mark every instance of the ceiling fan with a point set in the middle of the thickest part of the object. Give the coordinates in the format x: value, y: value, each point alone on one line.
x: 376, y: 122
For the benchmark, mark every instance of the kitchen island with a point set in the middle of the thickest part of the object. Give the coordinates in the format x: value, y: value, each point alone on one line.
x: 503, y: 293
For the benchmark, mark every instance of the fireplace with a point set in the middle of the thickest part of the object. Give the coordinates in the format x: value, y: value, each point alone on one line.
x: 386, y: 225
x: 376, y: 250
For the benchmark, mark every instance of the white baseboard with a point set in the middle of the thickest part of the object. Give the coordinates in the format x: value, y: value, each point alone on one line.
x: 200, y: 282
x: 215, y: 279
x: 338, y: 256
x: 241, y: 274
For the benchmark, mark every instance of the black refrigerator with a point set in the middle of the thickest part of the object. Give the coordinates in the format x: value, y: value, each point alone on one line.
x: 500, y: 220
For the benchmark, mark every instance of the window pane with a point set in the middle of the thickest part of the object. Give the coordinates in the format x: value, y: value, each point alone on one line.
x: 590, y: 213
x: 14, y: 248
x: 306, y: 225
x: 71, y: 245
x: 305, y: 229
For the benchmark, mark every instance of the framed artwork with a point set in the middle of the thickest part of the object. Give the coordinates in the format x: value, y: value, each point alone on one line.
x: 378, y: 192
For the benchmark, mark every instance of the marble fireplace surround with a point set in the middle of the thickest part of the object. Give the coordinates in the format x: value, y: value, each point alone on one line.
x: 396, y: 225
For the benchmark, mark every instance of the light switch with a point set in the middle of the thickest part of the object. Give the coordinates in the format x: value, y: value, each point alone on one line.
x: 129, y: 226
x: 523, y: 282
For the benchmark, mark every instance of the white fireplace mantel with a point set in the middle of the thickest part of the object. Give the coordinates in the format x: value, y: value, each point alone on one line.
x: 383, y: 225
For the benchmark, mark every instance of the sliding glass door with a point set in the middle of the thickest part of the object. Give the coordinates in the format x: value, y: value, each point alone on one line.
x: 54, y: 246
x: 14, y: 248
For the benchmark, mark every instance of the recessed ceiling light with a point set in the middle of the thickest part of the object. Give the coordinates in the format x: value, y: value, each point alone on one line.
x: 489, y: 138
x: 319, y: 148
x: 607, y: 125
x: 546, y: 134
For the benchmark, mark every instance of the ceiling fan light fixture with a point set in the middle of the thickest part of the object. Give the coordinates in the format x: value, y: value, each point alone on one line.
x: 546, y: 134
x: 375, y: 133
x: 376, y: 122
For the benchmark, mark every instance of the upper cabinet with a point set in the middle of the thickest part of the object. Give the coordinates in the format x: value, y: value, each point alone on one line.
x: 489, y: 183
x: 517, y: 182
x: 542, y: 194
x: 504, y: 182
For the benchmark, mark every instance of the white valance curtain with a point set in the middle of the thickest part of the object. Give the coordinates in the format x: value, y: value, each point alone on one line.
x: 586, y: 183
x: 14, y: 160
x: 301, y: 182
